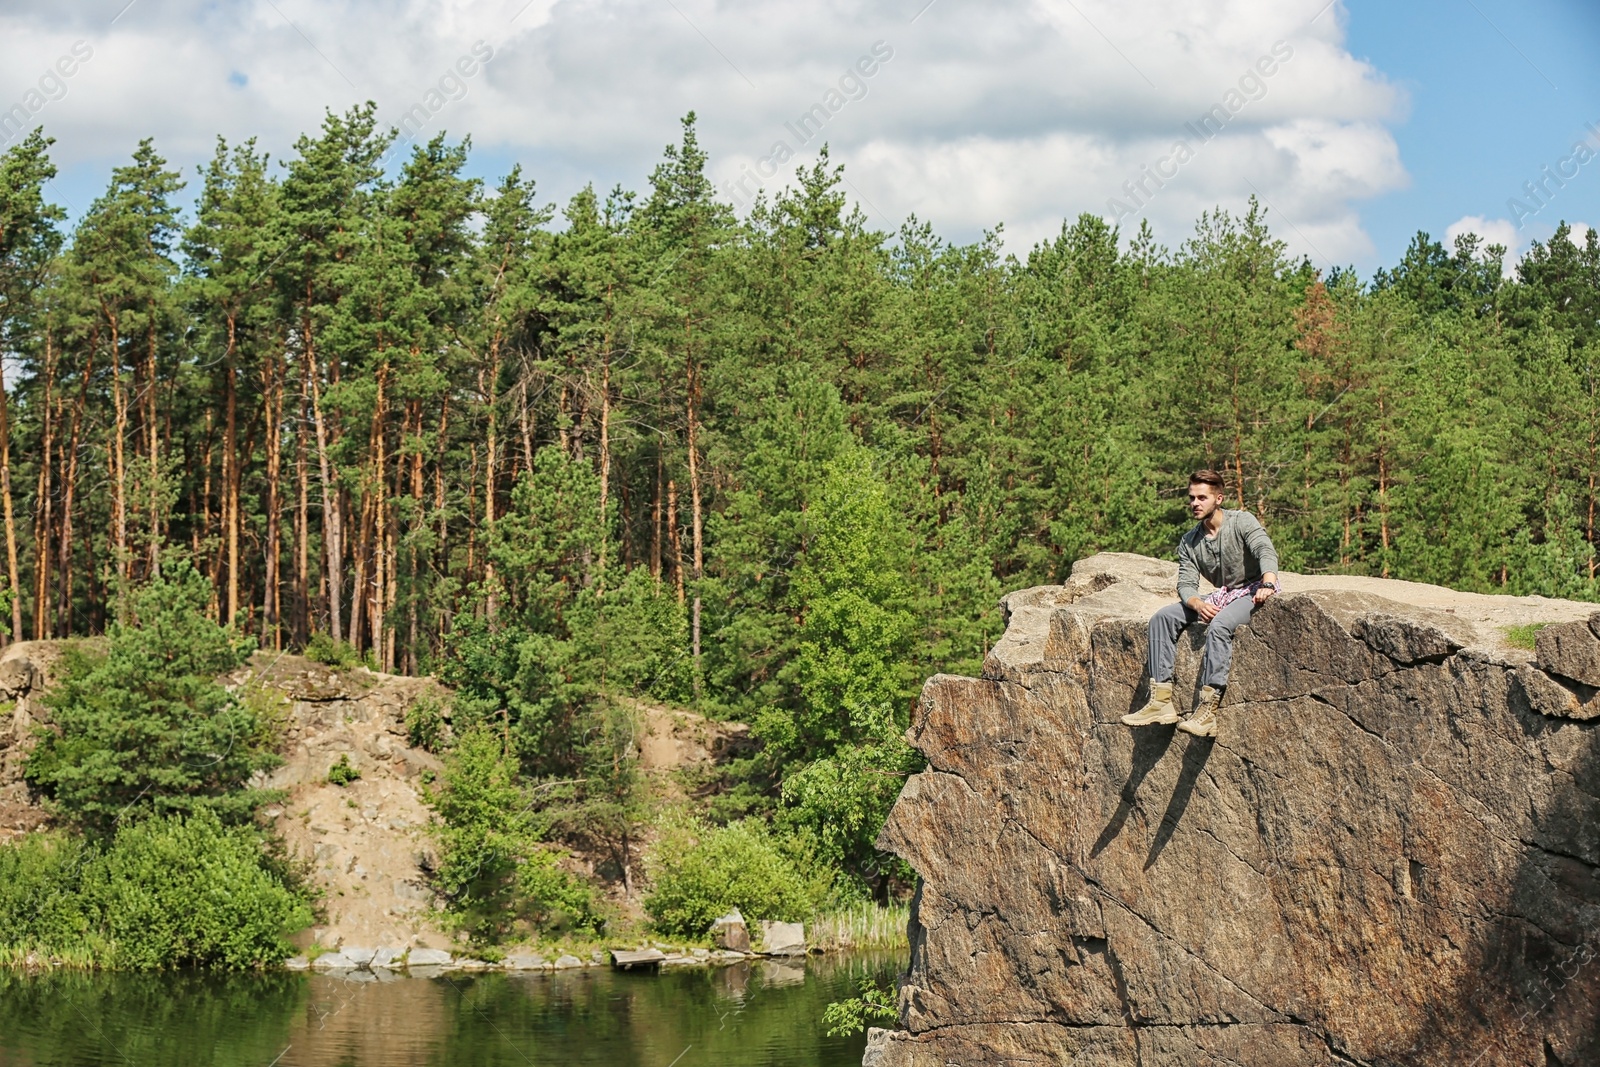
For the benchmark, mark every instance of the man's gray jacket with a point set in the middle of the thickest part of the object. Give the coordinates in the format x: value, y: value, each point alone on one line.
x: 1239, y: 554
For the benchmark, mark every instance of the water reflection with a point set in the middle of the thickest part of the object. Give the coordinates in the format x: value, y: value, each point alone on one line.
x: 752, y: 1015
x: 171, y: 1019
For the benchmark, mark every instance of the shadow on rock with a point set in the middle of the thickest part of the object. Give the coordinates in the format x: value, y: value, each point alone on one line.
x: 1149, y: 745
x: 1534, y: 997
x: 1194, y: 761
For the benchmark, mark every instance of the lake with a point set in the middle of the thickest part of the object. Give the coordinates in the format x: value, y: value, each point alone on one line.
x: 756, y: 1014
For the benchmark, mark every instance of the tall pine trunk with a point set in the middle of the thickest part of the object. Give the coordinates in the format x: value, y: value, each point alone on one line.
x: 445, y: 607
x: 230, y: 472
x: 119, y: 499
x: 272, y: 417
x: 674, y: 540
x: 655, y: 514
x: 413, y: 637
x: 332, y: 532
x: 486, y: 387
x: 691, y: 400
x: 152, y: 449
x: 605, y: 460
x: 13, y: 578
x: 64, y: 546
x: 43, y: 519
x: 380, y: 518
x: 302, y: 521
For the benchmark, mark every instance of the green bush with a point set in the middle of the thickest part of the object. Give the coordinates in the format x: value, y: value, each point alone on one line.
x: 332, y: 653
x: 142, y: 726
x: 425, y: 725
x: 494, y: 873
x: 698, y: 873
x: 179, y: 891
x: 343, y: 772
x: 872, y: 1003
x: 43, y: 906
x: 552, y: 899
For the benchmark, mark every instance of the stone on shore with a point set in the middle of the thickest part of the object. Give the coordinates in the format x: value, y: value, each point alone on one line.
x: 730, y: 932
x: 522, y: 961
x: 386, y: 958
x: 334, y: 961
x: 783, y: 939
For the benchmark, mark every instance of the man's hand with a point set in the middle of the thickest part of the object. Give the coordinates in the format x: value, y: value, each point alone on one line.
x: 1264, y: 592
x: 1207, y: 611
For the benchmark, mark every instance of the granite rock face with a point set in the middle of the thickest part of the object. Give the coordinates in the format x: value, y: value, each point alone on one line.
x: 1388, y: 855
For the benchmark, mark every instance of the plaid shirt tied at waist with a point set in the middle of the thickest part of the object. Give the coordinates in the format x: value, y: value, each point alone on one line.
x: 1221, y: 598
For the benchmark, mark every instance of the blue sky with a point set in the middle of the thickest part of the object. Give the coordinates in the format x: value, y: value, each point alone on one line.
x: 1377, y: 119
x: 1497, y: 89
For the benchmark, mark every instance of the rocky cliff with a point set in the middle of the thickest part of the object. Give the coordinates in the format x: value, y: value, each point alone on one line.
x: 1386, y: 857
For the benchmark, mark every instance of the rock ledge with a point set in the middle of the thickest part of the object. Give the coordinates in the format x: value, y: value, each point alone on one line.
x: 1388, y: 856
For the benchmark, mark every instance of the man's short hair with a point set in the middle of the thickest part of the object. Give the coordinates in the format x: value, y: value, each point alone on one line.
x: 1207, y: 476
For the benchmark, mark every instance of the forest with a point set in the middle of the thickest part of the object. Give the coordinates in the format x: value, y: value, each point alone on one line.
x: 776, y: 468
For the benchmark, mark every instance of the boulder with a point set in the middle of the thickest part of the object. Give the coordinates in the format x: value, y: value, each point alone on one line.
x: 523, y: 961
x: 1389, y: 856
x: 361, y: 957
x: 428, y: 957
x: 334, y: 961
x: 1571, y: 650
x: 783, y: 939
x: 730, y: 932
x: 386, y: 958
x: 566, y: 962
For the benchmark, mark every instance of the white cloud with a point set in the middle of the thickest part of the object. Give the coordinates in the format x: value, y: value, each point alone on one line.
x: 1017, y: 111
x: 1493, y: 232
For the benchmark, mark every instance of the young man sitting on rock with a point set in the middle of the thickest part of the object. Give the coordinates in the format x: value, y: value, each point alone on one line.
x: 1232, y: 552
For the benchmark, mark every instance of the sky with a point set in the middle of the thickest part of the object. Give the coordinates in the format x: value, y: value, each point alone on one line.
x: 1356, y: 123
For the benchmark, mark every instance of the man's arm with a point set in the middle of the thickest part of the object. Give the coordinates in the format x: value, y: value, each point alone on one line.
x: 1189, y: 582
x: 1261, y: 547
x: 1188, y: 572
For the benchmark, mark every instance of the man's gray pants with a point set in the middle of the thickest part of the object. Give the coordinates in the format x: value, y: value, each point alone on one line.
x: 1168, y: 623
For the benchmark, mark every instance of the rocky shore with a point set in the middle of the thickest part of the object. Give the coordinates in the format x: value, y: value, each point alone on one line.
x: 776, y: 940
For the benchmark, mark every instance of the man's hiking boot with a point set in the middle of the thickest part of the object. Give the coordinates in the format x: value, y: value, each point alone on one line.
x: 1158, y: 710
x: 1203, y: 723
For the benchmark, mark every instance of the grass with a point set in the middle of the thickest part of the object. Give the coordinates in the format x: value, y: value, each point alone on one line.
x: 860, y: 926
x: 1523, y: 636
x: 76, y: 958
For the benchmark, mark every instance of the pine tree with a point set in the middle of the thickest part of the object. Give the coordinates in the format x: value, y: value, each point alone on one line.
x: 29, y: 241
